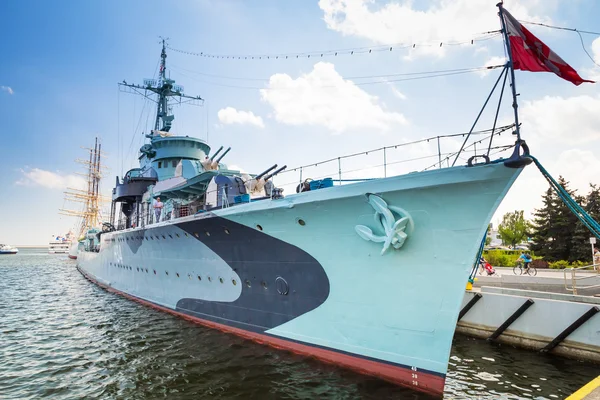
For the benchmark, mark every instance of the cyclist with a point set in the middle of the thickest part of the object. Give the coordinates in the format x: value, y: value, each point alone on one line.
x: 526, y: 260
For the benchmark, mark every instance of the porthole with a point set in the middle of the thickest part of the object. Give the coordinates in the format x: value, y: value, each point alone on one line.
x: 189, y: 276
x: 196, y: 234
x: 259, y: 227
x: 301, y: 222
x: 177, y: 234
x: 152, y: 237
x: 221, y: 280
x: 138, y: 269
x: 163, y: 236
x: 207, y: 233
x: 171, y: 236
x: 177, y: 273
x: 209, y: 279
x: 166, y: 272
x: 234, y: 282
x: 186, y: 235
x: 154, y: 272
x: 248, y: 284
x: 146, y: 270
x: 282, y: 286
x: 263, y: 284
x: 226, y: 231
x: 199, y: 278
x: 146, y: 238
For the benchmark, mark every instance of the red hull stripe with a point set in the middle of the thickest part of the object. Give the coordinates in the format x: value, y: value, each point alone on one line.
x: 416, y: 380
x: 72, y: 257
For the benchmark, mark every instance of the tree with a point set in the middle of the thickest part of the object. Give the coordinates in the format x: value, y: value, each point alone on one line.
x: 555, y: 226
x: 581, y: 248
x: 513, y: 229
x: 563, y: 227
x: 542, y: 222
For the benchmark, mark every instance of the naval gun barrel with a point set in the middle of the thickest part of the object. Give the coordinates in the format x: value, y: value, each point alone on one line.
x: 214, y: 155
x: 272, y: 174
x: 257, y: 177
x: 223, y: 155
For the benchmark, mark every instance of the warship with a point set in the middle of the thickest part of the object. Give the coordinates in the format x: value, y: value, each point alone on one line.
x: 368, y: 275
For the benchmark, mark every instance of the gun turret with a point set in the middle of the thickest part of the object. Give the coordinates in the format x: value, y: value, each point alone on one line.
x: 257, y: 177
x: 214, y: 155
x: 223, y: 155
x: 272, y: 174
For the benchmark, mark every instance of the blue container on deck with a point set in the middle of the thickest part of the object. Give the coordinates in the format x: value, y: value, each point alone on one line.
x: 321, y: 183
x: 243, y: 198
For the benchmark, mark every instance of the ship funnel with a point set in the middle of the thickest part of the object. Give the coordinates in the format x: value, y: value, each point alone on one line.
x: 257, y: 177
x: 223, y: 155
x: 272, y: 174
x: 214, y: 155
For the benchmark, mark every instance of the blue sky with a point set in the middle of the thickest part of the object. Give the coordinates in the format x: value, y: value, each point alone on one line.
x: 63, y: 59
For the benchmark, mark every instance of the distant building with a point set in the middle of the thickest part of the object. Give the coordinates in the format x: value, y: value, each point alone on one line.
x: 493, y: 234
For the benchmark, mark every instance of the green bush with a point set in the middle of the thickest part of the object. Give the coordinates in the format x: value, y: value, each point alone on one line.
x: 578, y: 263
x: 501, y: 258
x: 562, y: 264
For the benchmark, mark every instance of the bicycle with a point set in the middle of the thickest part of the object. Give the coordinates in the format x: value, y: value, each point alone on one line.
x: 530, y: 270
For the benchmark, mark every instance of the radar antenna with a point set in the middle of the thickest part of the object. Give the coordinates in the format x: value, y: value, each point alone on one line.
x: 165, y: 88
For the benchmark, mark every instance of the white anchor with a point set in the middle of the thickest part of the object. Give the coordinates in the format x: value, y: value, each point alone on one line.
x: 395, y: 231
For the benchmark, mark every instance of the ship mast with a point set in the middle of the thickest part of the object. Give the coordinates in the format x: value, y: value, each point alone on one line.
x: 90, y: 214
x: 165, y: 88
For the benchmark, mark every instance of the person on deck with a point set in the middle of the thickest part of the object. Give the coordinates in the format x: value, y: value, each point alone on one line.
x: 158, y: 206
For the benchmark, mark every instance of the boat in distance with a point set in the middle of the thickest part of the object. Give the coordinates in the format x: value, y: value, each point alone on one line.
x: 368, y: 275
x: 6, y: 249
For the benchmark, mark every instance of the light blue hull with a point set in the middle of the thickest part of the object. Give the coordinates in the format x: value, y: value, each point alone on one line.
x: 321, y: 285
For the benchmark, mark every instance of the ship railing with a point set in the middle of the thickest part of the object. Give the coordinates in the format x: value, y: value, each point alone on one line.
x: 574, y: 277
x: 435, y: 152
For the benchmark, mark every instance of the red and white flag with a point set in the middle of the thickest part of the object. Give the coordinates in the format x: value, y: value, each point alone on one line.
x: 530, y: 54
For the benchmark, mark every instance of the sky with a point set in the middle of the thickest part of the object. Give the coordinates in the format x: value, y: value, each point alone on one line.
x: 62, y: 61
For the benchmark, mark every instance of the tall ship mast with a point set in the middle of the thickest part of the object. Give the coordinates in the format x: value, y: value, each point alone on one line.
x: 369, y: 275
x: 90, y: 213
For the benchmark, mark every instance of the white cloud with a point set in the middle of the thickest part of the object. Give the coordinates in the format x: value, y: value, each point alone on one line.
x: 397, y: 93
x: 596, y: 50
x: 593, y: 73
x: 7, y: 89
x: 230, y: 115
x: 573, y: 119
x: 495, y: 60
x: 50, y: 180
x: 580, y: 168
x: 442, y: 20
x: 323, y: 97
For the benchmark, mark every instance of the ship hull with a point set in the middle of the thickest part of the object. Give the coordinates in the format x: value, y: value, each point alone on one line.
x: 297, y: 273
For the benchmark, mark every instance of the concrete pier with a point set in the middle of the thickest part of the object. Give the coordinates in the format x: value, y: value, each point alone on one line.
x: 546, y: 280
x: 555, y: 323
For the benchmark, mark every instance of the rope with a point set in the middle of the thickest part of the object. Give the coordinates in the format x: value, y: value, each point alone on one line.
x: 479, y: 253
x: 346, y: 51
x: 575, y: 208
